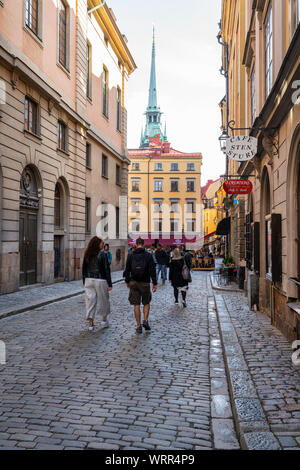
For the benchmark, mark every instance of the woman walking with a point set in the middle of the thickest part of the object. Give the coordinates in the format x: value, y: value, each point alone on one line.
x: 176, y: 278
x: 97, y: 282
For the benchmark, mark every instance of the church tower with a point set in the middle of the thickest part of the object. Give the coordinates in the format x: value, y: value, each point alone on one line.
x: 153, y: 113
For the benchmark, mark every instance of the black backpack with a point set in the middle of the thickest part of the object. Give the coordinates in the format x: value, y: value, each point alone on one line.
x: 139, y: 265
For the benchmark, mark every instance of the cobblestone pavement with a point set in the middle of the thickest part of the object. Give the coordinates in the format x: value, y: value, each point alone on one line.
x: 268, y: 359
x: 64, y: 387
x: 28, y: 298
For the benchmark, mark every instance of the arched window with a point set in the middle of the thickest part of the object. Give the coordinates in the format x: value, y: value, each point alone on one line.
x: 58, y: 216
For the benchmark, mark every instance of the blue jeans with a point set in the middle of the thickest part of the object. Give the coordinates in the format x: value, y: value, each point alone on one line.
x: 163, y: 269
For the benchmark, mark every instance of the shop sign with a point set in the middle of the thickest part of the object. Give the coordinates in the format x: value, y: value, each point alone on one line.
x: 237, y: 186
x: 241, y: 148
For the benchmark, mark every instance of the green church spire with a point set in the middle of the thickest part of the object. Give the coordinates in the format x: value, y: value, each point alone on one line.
x: 153, y: 112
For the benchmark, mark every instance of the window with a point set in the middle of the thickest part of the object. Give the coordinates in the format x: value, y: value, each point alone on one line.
x: 118, y: 173
x: 174, y: 206
x: 190, y: 167
x: 135, y: 166
x: 88, y: 214
x: 174, y: 186
x: 57, y: 207
x: 135, y: 205
x: 190, y: 186
x: 31, y: 116
x: 62, y: 136
x: 89, y: 70
x: 105, y: 92
x: 158, y: 166
x: 117, y: 222
x: 174, y: 166
x: 190, y: 225
x: 253, y: 98
x: 135, y: 225
x: 295, y: 15
x: 119, y: 108
x: 88, y: 163
x: 32, y: 15
x: 269, y: 52
x: 191, y: 206
x: 157, y: 225
x: 158, y: 185
x: 104, y: 166
x: 62, y: 33
x: 135, y: 185
x: 157, y: 205
x: 174, y: 223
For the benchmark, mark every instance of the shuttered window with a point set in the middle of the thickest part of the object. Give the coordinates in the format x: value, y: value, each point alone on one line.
x: 276, y: 248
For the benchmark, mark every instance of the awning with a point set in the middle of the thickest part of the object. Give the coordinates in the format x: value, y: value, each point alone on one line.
x: 223, y: 227
x: 164, y: 240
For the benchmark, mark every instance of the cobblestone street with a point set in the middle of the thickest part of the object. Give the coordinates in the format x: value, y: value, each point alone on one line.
x: 64, y: 387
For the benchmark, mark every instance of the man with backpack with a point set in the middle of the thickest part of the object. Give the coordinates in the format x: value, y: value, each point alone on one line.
x: 162, y: 259
x: 139, y: 271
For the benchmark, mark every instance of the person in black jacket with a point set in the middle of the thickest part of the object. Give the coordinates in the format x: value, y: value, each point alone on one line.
x: 176, y: 278
x: 97, y: 282
x: 140, y: 269
x: 162, y: 259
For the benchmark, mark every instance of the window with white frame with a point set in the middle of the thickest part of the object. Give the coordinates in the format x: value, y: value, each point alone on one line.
x: 135, y: 166
x: 157, y: 205
x: 62, y: 136
x: 191, y: 206
x: 135, y: 205
x: 190, y: 225
x: 135, y: 225
x: 269, y: 51
x: 158, y: 185
x: 174, y: 186
x: 174, y: 224
x: 174, y: 206
x: 253, y: 97
x: 135, y: 185
x: 158, y: 166
x: 105, y: 92
x: 157, y: 225
x: 190, y: 185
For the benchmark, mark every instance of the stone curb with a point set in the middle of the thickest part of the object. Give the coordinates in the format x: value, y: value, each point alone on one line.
x: 250, y: 420
x: 224, y: 289
x: 46, y: 302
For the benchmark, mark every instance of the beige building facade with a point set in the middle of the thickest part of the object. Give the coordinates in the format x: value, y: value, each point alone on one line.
x: 271, y: 61
x: 63, y: 149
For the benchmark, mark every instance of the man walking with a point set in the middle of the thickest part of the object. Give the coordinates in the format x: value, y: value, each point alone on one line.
x: 162, y: 259
x: 139, y: 271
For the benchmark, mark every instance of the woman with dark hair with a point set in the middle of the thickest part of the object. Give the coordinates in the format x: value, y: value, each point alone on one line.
x: 176, y: 277
x: 97, y: 282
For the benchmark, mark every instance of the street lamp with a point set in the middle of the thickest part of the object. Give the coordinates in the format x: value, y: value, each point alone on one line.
x: 223, y: 139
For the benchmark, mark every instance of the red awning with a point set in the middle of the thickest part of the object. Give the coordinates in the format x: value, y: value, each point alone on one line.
x: 168, y: 240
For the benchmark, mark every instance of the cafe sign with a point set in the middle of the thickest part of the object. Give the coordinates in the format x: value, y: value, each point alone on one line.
x: 237, y: 186
x: 241, y: 148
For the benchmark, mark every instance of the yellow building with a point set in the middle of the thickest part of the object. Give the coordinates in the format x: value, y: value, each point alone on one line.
x: 164, y: 184
x: 213, y: 196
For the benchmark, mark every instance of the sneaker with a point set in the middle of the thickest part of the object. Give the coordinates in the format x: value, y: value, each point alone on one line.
x: 176, y: 302
x: 91, y: 328
x: 146, y: 325
x: 104, y: 324
x: 184, y: 303
x: 139, y: 330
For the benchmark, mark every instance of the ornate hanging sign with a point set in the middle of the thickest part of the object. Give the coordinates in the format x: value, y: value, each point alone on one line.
x: 237, y: 186
x: 241, y: 148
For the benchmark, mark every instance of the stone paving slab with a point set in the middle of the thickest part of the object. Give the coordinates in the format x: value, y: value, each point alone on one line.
x: 265, y: 387
x: 65, y: 387
x: 33, y: 297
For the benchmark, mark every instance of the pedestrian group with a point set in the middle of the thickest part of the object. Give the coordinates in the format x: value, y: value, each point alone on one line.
x: 142, y: 267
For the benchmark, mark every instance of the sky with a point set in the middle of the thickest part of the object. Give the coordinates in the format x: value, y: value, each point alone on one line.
x: 189, y: 84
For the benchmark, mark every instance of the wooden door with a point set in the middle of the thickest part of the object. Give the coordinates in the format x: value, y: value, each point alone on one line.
x: 28, y: 247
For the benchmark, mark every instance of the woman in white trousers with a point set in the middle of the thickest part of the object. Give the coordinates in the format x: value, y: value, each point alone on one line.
x: 97, y: 282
